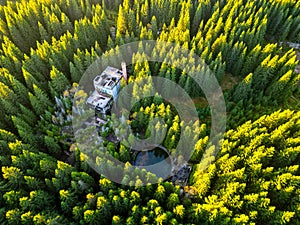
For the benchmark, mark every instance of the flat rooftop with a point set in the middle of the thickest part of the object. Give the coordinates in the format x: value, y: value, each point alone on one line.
x: 108, y: 78
x: 99, y: 100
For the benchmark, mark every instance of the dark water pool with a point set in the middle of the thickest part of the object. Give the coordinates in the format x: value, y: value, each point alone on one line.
x: 148, y: 159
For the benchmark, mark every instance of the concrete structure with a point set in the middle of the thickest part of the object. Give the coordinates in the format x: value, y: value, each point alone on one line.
x: 107, y: 87
x: 101, y: 102
x: 109, y: 82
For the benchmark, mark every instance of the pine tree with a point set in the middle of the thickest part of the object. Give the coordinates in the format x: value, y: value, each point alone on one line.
x: 39, y: 100
x: 75, y: 73
x: 110, y: 43
x: 11, y: 58
x: 29, y: 80
x: 154, y: 28
x: 44, y: 33
x: 66, y: 23
x: 145, y: 12
x: 58, y: 83
x: 188, y: 86
x: 117, y: 220
x: 172, y: 201
x: 101, y: 27
x: 19, y: 89
x: 184, y: 18
x: 73, y: 10
x: 197, y: 19
x: 55, y: 26
x: 244, y: 90
x: 131, y: 22
x: 53, y: 147
x: 25, y: 131
x: 68, y: 200
x: 27, y: 115
x: 159, y: 194
x: 13, y: 216
x: 119, y: 39
x: 15, y: 32
x: 7, y: 136
x: 124, y: 154
x: 121, y: 23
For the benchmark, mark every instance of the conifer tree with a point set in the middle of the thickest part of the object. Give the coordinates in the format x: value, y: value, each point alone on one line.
x: 53, y: 147
x: 27, y: 115
x: 121, y: 23
x: 145, y: 12
x: 11, y: 58
x: 39, y: 100
x: 243, y: 91
x: 58, y: 83
x: 24, y: 130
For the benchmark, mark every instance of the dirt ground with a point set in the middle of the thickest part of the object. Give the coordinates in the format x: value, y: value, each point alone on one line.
x: 229, y: 81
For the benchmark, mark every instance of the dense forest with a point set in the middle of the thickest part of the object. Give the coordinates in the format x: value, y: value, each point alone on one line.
x: 46, y: 47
